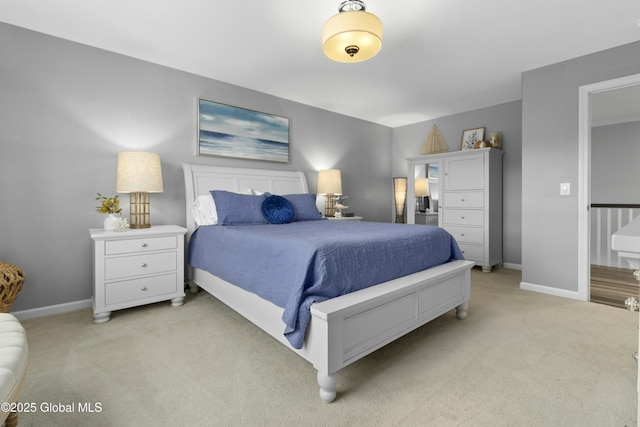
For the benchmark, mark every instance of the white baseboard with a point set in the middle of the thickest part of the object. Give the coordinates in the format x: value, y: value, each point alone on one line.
x: 550, y: 291
x: 79, y: 305
x: 51, y: 309
x: 512, y: 266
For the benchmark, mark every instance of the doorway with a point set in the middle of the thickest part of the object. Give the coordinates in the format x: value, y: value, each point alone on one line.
x: 586, y: 96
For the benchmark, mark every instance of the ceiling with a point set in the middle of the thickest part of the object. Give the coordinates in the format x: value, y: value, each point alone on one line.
x: 439, y: 57
x: 616, y: 106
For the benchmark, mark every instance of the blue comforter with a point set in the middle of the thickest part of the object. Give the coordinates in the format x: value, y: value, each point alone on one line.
x: 294, y: 265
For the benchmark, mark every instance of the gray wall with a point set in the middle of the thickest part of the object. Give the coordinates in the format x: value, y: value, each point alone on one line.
x: 504, y: 118
x: 66, y: 110
x: 614, y: 163
x: 550, y: 156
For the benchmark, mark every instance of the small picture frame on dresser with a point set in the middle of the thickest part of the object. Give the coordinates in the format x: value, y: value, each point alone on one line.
x: 470, y: 137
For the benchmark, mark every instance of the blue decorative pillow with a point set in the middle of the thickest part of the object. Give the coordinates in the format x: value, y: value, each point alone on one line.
x: 277, y: 210
x: 234, y: 208
x: 304, y: 207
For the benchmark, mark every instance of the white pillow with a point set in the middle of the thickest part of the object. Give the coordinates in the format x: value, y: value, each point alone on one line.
x: 204, y: 209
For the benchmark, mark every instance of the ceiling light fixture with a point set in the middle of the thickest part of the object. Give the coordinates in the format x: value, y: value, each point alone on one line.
x: 353, y: 35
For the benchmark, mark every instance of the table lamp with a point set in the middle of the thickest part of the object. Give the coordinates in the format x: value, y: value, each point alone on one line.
x: 422, y: 191
x: 139, y: 173
x: 329, y: 185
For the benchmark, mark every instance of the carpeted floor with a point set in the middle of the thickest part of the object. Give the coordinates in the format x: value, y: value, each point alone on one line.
x: 519, y: 359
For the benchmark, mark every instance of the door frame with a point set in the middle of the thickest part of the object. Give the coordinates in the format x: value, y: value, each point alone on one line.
x: 584, y: 175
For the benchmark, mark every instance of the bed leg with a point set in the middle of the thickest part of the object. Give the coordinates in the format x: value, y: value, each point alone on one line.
x: 461, y: 310
x: 327, y: 385
x: 12, y: 420
x: 193, y: 288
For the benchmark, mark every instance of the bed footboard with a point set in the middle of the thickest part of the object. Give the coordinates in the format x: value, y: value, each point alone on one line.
x: 348, y: 328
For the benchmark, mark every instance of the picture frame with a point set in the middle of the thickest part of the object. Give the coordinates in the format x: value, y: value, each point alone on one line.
x: 432, y: 171
x: 235, y: 132
x: 470, y: 137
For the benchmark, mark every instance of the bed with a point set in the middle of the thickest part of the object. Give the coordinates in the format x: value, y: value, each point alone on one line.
x: 342, y: 329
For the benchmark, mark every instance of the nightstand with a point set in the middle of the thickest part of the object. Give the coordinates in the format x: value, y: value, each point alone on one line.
x: 427, y: 218
x: 137, y: 267
x: 346, y: 218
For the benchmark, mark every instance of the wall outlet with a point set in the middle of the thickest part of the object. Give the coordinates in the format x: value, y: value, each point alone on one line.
x: 565, y: 189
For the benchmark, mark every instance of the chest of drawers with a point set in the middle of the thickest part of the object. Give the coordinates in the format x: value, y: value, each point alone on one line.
x: 137, y: 267
x: 470, y: 187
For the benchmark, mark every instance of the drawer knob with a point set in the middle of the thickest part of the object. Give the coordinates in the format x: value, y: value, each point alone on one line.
x: 143, y: 265
x: 144, y: 245
x: 144, y: 288
x: 462, y: 234
x: 462, y: 200
x: 461, y: 216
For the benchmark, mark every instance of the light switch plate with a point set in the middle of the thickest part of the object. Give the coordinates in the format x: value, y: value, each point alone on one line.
x: 565, y: 189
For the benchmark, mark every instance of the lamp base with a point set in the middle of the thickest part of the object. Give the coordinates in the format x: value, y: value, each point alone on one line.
x: 329, y: 205
x: 140, y: 210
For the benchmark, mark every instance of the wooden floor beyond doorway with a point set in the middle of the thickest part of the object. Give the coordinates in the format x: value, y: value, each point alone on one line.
x: 611, y: 285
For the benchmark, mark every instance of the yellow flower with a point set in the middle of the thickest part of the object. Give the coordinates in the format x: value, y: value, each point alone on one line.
x: 109, y: 205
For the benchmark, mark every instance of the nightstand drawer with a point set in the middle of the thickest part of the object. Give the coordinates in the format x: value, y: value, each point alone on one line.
x: 138, y: 265
x: 130, y: 290
x: 463, y: 217
x: 467, y: 234
x: 115, y: 247
x: 463, y: 199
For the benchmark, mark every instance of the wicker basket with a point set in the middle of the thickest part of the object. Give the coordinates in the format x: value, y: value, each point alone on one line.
x: 11, y: 279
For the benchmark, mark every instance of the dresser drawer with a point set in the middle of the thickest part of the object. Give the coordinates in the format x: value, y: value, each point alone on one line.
x: 115, y: 247
x: 472, y: 252
x: 138, y: 265
x: 148, y: 287
x: 464, y: 199
x: 467, y: 234
x: 463, y: 217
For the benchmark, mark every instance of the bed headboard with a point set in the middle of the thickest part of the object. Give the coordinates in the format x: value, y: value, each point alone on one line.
x: 200, y: 179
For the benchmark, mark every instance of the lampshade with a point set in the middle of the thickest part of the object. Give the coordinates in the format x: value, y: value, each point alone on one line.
x: 352, y: 35
x: 139, y: 174
x: 422, y: 187
x: 400, y: 193
x: 329, y: 181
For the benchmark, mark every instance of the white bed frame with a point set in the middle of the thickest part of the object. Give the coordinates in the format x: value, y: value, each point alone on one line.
x: 343, y: 329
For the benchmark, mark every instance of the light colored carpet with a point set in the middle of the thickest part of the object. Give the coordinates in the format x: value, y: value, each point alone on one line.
x: 520, y: 358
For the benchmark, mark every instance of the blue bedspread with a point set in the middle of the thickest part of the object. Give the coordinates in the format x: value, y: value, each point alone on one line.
x: 294, y: 265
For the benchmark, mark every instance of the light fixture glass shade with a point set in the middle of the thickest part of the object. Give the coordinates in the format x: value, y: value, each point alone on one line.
x: 400, y: 193
x: 329, y: 185
x: 352, y: 36
x: 139, y: 173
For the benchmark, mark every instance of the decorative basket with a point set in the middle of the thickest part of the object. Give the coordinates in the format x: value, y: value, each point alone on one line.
x: 11, y: 279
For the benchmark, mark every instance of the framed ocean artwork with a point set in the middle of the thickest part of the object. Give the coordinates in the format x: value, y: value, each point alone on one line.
x: 228, y: 131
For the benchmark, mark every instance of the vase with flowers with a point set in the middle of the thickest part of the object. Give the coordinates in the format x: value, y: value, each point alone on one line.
x: 111, y: 207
